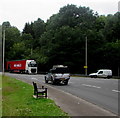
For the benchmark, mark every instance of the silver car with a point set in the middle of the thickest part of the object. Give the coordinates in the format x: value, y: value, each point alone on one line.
x: 59, y: 74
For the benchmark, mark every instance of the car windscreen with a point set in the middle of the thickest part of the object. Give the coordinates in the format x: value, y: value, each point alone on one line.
x: 60, y: 70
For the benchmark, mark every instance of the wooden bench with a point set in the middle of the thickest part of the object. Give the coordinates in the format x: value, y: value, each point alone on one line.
x: 39, y: 92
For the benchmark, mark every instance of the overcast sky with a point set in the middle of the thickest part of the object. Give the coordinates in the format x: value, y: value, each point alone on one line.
x: 18, y: 12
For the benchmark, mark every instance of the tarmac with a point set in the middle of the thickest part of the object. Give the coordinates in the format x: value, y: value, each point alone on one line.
x: 75, y: 106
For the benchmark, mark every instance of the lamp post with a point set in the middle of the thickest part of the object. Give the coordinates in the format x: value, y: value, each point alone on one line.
x: 86, y: 56
x: 3, y: 51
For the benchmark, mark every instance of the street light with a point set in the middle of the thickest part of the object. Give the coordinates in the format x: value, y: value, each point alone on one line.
x: 86, y: 56
x: 3, y: 50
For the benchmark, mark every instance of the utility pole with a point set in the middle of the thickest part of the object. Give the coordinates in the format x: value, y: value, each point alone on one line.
x: 118, y: 72
x: 86, y: 56
x: 3, y: 51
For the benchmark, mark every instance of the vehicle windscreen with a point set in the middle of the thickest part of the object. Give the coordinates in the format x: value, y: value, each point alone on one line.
x: 60, y: 70
x: 32, y: 64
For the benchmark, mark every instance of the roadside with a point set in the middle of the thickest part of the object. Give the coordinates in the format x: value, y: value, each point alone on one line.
x: 18, y: 101
x: 0, y: 94
x: 73, y: 105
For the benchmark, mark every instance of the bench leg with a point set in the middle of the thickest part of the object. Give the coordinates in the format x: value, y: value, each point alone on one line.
x: 37, y: 95
x: 46, y: 92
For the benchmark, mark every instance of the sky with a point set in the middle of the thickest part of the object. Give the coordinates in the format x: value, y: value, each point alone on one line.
x: 19, y: 12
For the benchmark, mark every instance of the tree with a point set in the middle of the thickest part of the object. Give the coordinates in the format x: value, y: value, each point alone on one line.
x: 28, y: 29
x: 38, y: 28
x: 112, y: 56
x: 112, y: 27
x: 65, y: 43
x: 72, y: 16
x: 12, y: 35
x: 6, y: 25
x: 100, y: 23
x: 18, y: 51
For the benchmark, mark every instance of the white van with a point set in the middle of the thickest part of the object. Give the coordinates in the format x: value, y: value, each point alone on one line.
x: 105, y: 73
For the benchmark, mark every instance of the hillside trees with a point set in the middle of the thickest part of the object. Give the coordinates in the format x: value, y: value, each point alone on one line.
x: 65, y: 43
x: 61, y: 40
x: 112, y: 47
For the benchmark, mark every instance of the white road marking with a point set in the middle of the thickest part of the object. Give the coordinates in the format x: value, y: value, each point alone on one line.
x: 91, y: 86
x: 34, y: 78
x: 86, y: 85
x: 116, y: 91
x: 96, y: 86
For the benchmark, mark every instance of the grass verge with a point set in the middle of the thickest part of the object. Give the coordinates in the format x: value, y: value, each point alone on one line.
x: 0, y: 95
x: 18, y: 101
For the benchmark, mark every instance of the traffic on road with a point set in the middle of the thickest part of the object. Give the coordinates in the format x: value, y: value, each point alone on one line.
x: 99, y: 91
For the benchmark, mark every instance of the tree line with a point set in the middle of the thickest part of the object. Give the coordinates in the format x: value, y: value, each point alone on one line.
x: 61, y: 40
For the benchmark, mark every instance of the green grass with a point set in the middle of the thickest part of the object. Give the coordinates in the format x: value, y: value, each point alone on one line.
x: 18, y: 101
x: 0, y: 95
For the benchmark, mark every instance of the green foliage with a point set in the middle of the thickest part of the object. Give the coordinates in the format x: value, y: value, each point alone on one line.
x: 6, y: 25
x: 61, y: 40
x: 12, y: 36
x: 72, y: 16
x: 28, y: 29
x: 38, y: 28
x: 18, y: 50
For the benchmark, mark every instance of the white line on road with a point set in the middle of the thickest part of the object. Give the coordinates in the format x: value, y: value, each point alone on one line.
x: 91, y: 86
x: 34, y: 78
x: 96, y: 86
x: 116, y: 91
x: 86, y: 85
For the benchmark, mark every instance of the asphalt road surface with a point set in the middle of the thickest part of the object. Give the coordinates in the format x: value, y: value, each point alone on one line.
x: 101, y: 92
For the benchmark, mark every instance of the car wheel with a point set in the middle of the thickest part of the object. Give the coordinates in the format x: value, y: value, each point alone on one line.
x: 95, y: 76
x: 53, y: 82
x: 66, y: 82
x: 109, y: 77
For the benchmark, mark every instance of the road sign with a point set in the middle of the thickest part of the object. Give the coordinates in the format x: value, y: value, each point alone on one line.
x: 85, y: 66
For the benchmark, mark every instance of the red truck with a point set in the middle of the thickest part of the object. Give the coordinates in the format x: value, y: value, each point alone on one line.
x: 22, y: 66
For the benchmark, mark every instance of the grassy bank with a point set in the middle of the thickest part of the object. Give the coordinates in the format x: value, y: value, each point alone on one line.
x: 0, y: 95
x: 18, y: 101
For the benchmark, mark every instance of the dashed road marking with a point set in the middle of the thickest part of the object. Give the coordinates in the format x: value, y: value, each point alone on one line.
x: 116, y: 91
x: 87, y: 85
x: 34, y: 78
x: 91, y: 86
x: 96, y: 86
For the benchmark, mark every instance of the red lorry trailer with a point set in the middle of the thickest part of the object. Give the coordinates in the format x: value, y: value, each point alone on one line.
x: 22, y: 66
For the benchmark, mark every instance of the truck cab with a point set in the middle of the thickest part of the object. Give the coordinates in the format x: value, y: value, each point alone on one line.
x: 31, y: 67
x: 58, y: 74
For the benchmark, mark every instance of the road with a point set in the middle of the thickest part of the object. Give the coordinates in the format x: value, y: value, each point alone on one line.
x: 101, y: 92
